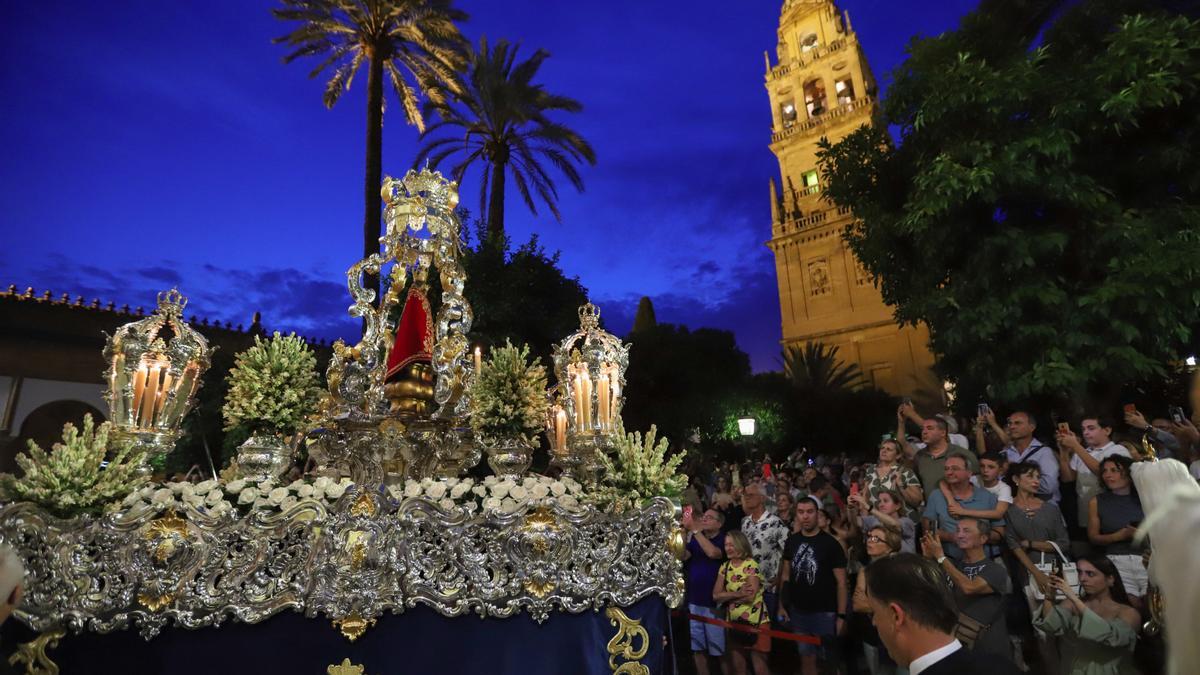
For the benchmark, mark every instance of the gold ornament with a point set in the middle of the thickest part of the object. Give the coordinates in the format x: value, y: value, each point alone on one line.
x: 33, y: 654
x: 621, y: 645
x: 353, y: 626
x: 345, y: 668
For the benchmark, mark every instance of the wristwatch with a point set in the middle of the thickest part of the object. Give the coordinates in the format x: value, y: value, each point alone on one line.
x: 941, y: 559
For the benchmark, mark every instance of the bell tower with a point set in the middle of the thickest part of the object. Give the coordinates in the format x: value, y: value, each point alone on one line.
x: 821, y: 85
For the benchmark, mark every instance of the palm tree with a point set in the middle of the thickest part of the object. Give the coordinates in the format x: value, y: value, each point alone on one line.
x: 816, y: 367
x: 414, y: 42
x: 501, y: 122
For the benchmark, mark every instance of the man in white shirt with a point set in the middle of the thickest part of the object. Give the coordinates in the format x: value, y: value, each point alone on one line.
x: 1082, y: 464
x: 914, y: 612
x: 1026, y: 448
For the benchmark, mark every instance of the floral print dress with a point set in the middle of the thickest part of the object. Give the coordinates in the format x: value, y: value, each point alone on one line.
x: 736, y: 576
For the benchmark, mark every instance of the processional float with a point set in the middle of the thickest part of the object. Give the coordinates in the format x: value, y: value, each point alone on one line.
x: 376, y: 579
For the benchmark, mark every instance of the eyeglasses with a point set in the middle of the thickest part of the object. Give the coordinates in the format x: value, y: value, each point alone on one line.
x: 872, y: 539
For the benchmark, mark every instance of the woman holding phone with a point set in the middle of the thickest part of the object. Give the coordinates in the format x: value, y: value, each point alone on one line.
x: 1097, y: 631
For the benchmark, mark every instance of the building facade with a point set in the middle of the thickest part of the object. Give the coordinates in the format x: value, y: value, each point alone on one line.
x: 821, y: 86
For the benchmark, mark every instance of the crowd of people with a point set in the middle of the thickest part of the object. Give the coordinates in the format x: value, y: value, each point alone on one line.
x: 1033, y: 541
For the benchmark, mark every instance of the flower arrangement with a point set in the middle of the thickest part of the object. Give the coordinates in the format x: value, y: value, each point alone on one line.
x: 492, y: 494
x: 273, y: 386
x: 70, y: 480
x: 211, y: 496
x: 639, y: 471
x: 508, y: 400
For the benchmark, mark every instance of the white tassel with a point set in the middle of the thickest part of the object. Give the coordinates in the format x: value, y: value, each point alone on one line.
x: 1171, y: 499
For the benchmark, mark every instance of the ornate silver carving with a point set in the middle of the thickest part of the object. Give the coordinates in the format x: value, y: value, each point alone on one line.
x: 365, y: 556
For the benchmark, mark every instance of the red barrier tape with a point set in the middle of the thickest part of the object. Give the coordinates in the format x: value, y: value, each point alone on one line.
x: 779, y: 634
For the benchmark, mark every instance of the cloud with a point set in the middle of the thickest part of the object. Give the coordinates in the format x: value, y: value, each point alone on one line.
x: 751, y: 313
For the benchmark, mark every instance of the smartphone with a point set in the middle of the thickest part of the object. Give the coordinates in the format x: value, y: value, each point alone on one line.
x: 1176, y: 414
x: 1058, y: 423
x: 1129, y: 407
x: 687, y: 513
x: 1056, y: 568
x: 982, y: 410
x: 854, y: 489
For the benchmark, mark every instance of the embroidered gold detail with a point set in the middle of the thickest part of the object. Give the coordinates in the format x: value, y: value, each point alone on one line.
x: 345, y: 668
x: 540, y: 588
x: 155, y: 602
x: 353, y: 626
x: 621, y: 645
x: 33, y: 654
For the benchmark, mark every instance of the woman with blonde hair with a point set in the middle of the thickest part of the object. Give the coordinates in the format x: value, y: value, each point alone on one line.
x: 740, y: 585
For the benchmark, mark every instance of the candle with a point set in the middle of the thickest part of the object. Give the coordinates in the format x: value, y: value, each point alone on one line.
x: 149, y: 396
x: 139, y: 385
x: 182, y: 392
x: 478, y: 360
x: 560, y: 429
x: 577, y: 392
x: 602, y: 406
x: 162, y: 397
x: 587, y: 399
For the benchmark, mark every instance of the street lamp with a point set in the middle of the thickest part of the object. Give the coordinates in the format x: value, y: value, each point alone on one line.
x: 746, y: 426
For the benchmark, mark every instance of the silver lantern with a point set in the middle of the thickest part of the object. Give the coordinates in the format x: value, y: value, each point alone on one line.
x: 590, y: 367
x: 154, y: 369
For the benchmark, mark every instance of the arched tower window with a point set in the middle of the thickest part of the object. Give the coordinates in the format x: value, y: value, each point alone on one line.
x: 814, y: 97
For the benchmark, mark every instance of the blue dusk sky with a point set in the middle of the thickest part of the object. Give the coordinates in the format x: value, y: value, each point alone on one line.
x: 151, y: 144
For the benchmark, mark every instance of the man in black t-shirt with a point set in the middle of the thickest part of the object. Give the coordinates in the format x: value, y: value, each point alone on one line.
x: 813, y: 573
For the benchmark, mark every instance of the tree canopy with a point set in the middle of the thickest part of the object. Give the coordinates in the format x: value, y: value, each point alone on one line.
x: 1038, y: 206
x: 501, y: 122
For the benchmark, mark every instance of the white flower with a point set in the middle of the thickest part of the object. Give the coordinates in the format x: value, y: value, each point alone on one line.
x: 317, y: 495
x: 567, y: 501
x: 267, y: 485
x: 204, y: 487
x: 491, y: 504
x: 261, y: 502
x: 508, y: 483
x: 459, y: 490
x: 508, y: 505
x: 479, y: 491
x: 500, y: 490
x: 529, y: 482
x: 304, y: 491
x: 145, y: 492
x: 247, y: 495
x: 287, y: 503
x: 446, y: 503
x: 558, y: 489
x: 194, y: 501
x: 322, y: 482
x: 295, y: 485
x: 346, y: 482
x: 490, y: 481
x: 234, y: 487
x: 519, y: 493
x: 222, y: 508
x: 162, y: 496
x: 276, y: 496
x: 436, y: 491
x: 572, y: 485
x: 450, y: 482
x: 213, y: 498
x: 412, y: 489
x: 426, y: 482
x: 539, y: 491
x: 335, y: 491
x: 130, y: 499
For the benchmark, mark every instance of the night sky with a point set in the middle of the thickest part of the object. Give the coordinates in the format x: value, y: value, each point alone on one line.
x: 148, y: 144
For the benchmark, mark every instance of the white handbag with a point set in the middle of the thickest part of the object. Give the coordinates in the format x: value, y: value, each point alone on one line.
x: 1069, y: 571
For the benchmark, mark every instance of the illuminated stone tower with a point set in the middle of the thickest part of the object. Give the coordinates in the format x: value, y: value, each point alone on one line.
x: 822, y: 86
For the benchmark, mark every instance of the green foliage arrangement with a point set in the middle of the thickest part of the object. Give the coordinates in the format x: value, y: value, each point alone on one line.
x: 639, y: 470
x: 68, y: 481
x: 509, y: 400
x: 1040, y: 209
x: 273, y: 386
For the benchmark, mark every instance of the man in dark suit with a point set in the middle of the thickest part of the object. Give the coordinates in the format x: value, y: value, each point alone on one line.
x: 913, y: 609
